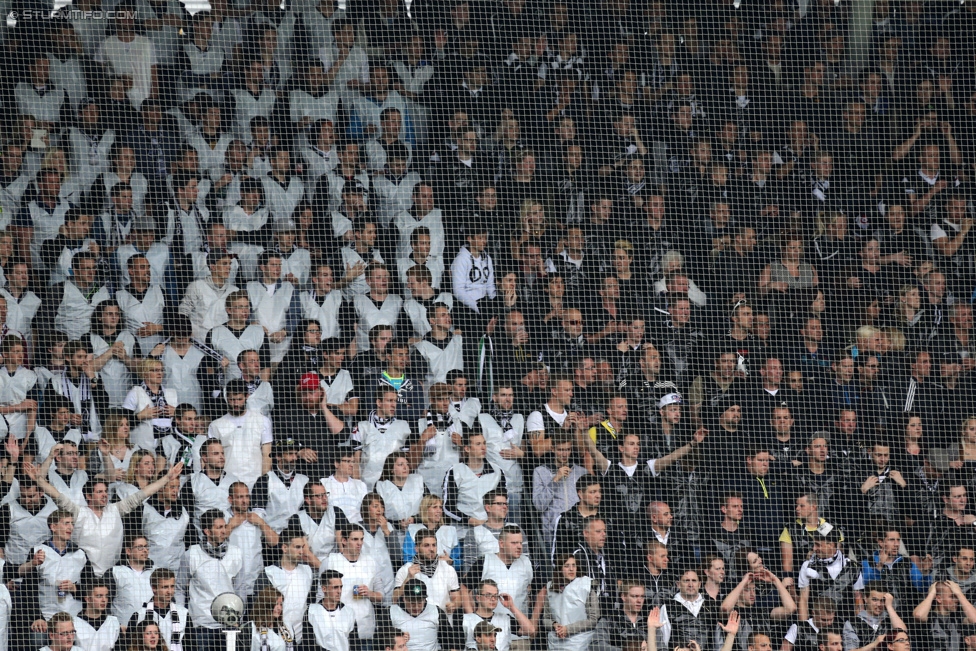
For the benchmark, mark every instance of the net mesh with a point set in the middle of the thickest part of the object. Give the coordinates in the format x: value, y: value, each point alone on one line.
x: 490, y: 324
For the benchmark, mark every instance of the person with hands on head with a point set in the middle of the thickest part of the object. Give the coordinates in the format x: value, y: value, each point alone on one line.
x: 82, y: 387
x: 868, y: 629
x: 787, y: 605
x: 945, y: 611
x: 99, y: 524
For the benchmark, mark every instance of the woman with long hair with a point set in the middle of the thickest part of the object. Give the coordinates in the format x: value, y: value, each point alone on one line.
x: 432, y: 517
x: 111, y: 458
x: 571, y: 607
x: 401, y: 489
x: 145, y: 636
x: 267, y: 631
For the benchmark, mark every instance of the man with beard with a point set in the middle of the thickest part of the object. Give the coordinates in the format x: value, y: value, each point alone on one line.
x: 245, y: 434
x: 312, y: 425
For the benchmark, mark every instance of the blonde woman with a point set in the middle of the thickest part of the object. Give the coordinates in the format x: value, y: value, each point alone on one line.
x: 141, y: 472
x: 151, y: 405
x: 432, y: 517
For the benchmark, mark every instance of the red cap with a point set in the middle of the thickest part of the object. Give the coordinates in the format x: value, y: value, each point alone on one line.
x: 309, y: 382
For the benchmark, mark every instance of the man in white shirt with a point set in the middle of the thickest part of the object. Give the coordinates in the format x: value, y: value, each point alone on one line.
x: 245, y: 434
x: 361, y: 580
x: 126, y: 53
x: 443, y: 589
x: 98, y: 524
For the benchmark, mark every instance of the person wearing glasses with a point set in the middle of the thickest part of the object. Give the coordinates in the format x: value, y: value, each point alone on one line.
x: 486, y: 600
x: 483, y: 539
x: 132, y: 580
x: 898, y: 640
x: 61, y: 633
x: 945, y: 613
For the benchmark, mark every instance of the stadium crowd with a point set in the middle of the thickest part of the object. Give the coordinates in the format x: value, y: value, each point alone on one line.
x: 496, y: 324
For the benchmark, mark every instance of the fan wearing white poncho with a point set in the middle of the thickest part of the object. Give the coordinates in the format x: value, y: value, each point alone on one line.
x: 378, y: 307
x: 360, y: 577
x: 423, y: 298
x: 381, y: 435
x: 438, y: 575
x: 331, y: 621
x: 82, y: 387
x: 503, y: 428
x: 293, y: 577
x: 323, y: 303
x: 18, y: 389
x: 572, y: 608
x: 98, y: 524
x: 401, y: 489
x: 281, y: 492
x: 429, y: 626
x: 96, y: 600
x: 466, y: 484
x: 440, y: 439
x: 152, y: 406
x: 79, y: 296
x: 442, y: 348
x: 275, y: 305
x: 203, y: 301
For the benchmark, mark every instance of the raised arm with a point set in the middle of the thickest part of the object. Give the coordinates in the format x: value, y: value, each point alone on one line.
x: 922, y: 610
x: 731, y: 629
x: 733, y: 597
x: 660, y: 465
x: 39, y: 474
x: 584, y: 442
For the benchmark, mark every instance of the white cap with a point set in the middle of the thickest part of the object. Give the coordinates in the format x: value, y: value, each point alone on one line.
x: 669, y: 399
